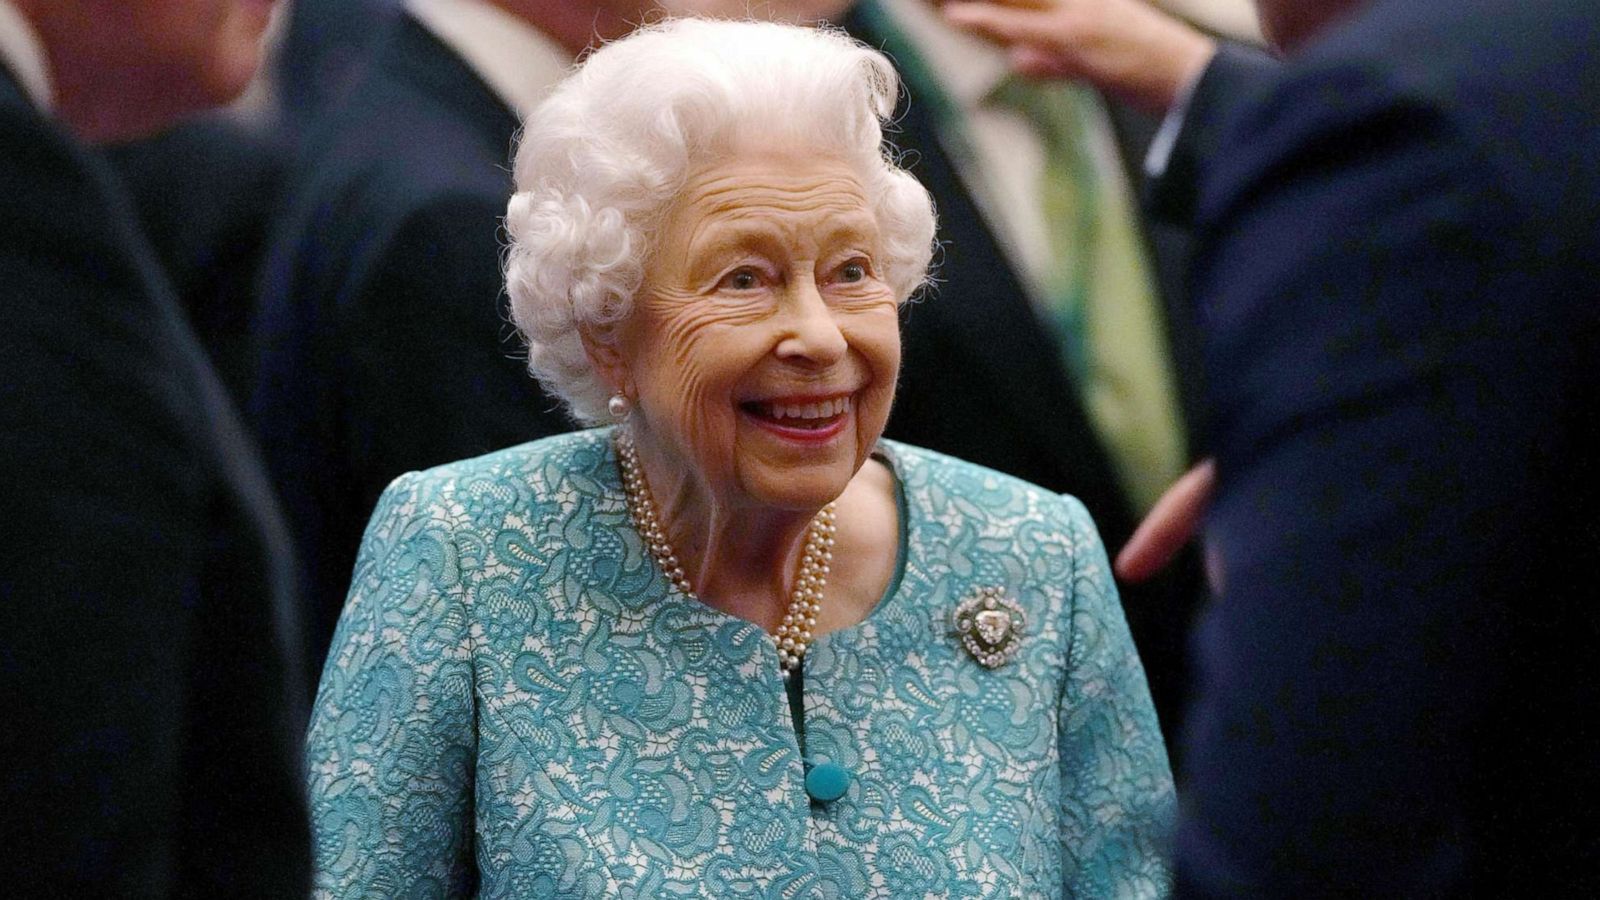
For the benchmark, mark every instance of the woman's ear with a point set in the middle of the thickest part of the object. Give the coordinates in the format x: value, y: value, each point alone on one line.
x: 607, y: 358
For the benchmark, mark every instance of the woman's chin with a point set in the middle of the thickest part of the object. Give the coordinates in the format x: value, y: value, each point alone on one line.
x: 797, y: 488
x: 797, y: 466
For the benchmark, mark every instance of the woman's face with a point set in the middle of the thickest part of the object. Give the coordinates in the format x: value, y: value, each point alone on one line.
x: 764, y: 344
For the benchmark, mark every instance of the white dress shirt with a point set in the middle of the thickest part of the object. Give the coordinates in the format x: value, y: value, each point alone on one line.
x: 1161, y: 146
x: 1006, y: 167
x: 520, y: 63
x: 23, y: 54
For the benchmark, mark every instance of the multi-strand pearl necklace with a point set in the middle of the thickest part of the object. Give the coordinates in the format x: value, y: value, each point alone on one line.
x: 805, y: 601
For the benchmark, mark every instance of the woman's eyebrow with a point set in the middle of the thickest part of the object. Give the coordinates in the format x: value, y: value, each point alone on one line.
x: 860, y: 225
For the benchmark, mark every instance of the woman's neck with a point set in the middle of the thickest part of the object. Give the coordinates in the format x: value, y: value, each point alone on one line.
x: 739, y: 559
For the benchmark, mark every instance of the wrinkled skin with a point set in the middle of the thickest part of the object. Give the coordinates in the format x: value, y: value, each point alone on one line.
x: 765, y: 284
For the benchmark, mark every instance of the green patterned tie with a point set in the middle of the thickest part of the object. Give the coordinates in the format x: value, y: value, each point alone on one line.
x: 1101, y: 296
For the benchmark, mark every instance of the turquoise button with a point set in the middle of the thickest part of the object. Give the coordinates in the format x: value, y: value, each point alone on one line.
x: 827, y: 782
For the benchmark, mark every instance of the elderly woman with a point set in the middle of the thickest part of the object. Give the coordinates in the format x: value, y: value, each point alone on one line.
x: 731, y: 645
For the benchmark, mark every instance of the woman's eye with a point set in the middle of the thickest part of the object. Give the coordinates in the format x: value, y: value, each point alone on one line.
x: 741, y: 280
x: 853, y: 271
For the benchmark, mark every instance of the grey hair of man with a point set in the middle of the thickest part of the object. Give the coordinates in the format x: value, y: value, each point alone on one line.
x: 602, y: 159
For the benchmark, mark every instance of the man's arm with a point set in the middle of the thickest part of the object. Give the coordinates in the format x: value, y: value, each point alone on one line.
x: 148, y: 722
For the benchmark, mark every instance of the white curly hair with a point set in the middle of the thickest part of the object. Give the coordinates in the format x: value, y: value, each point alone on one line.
x: 603, y: 157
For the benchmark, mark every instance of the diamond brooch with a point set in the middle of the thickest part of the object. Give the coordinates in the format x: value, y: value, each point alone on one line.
x: 990, y: 625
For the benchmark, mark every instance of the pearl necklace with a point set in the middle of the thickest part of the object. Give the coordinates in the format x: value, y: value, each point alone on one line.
x: 805, y: 601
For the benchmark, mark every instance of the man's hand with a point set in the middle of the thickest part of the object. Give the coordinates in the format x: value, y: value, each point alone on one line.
x: 794, y: 12
x: 1169, y: 526
x: 1124, y: 47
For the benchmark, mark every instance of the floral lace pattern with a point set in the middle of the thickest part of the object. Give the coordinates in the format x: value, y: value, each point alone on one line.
x: 518, y: 704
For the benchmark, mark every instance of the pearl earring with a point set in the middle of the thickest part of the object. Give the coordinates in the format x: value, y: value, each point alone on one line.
x: 619, y: 406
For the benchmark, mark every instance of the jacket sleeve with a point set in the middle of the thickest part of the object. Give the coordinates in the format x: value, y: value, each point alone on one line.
x: 391, y: 751
x: 1116, y: 784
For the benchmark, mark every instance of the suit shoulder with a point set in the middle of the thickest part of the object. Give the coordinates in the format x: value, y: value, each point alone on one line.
x: 391, y: 149
x: 387, y: 200
x: 1505, y: 88
x: 389, y: 128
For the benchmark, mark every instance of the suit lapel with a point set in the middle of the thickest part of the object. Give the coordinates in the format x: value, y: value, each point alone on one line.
x: 979, y: 299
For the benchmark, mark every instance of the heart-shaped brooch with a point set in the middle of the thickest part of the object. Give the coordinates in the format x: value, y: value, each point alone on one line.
x: 990, y: 625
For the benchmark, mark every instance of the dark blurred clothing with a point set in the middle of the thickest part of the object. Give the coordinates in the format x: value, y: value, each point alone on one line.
x: 387, y: 346
x: 324, y: 52
x: 1234, y: 78
x: 205, y: 192
x: 150, y: 680
x: 1398, y: 287
x: 982, y: 376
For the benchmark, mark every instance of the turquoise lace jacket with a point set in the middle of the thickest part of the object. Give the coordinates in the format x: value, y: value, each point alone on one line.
x: 518, y: 704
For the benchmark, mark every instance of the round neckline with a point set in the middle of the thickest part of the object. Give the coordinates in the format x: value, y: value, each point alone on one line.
x: 874, y: 618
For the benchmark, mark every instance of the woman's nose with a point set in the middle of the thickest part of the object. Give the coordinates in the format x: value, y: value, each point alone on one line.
x: 811, y: 329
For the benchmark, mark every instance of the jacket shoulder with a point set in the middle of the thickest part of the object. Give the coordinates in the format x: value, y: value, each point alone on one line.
x: 988, y: 493
x: 537, y: 466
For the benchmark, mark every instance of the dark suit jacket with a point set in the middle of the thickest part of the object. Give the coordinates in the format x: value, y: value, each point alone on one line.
x: 1398, y: 288
x: 205, y: 192
x: 326, y: 47
x: 1232, y: 81
x: 150, y: 694
x: 982, y: 377
x: 386, y: 343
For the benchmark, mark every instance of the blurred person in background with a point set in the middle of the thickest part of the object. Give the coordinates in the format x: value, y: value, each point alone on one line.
x: 1396, y: 293
x: 205, y: 191
x: 1052, y: 344
x: 150, y: 678
x: 388, y: 248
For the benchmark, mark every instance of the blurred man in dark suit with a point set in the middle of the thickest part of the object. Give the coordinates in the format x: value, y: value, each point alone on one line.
x: 1397, y: 292
x: 385, y: 343
x: 1399, y: 301
x: 150, y: 690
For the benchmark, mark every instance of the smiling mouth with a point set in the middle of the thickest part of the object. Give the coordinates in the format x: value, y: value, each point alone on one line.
x: 804, y: 415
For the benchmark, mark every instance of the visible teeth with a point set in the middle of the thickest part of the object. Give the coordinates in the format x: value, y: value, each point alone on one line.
x: 827, y: 409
